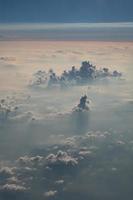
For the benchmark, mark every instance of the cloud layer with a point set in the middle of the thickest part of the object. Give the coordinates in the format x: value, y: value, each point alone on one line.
x: 57, y: 171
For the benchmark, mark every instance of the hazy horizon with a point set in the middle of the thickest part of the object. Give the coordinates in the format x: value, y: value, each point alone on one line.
x: 67, y: 31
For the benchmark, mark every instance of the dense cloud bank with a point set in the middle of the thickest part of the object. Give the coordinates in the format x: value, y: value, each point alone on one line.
x: 72, y: 168
x: 87, y: 72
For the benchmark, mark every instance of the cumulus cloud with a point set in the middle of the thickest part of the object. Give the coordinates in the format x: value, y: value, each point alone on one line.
x: 6, y: 172
x: 59, y: 168
x: 12, y: 191
x: 74, y: 76
x: 26, y: 160
x: 50, y: 193
x: 13, y: 180
x: 59, y: 182
x: 12, y: 108
x: 61, y: 158
x: 84, y: 153
x: 12, y: 188
x: 83, y: 104
x: 7, y: 108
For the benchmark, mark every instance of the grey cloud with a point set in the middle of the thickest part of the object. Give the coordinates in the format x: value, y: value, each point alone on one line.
x: 87, y: 72
x: 84, y: 153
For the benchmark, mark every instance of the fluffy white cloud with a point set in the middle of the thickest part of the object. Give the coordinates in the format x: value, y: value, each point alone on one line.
x: 12, y: 188
x: 50, y: 193
x: 6, y: 172
x: 26, y: 160
x: 59, y: 182
x: 61, y: 158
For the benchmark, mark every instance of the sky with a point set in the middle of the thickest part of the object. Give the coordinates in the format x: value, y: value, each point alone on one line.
x: 117, y: 31
x: 51, y: 148
x: 66, y: 11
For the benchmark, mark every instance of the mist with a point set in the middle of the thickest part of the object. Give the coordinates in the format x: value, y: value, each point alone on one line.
x: 49, y: 151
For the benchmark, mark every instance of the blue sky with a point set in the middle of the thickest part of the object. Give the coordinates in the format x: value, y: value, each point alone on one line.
x: 66, y: 10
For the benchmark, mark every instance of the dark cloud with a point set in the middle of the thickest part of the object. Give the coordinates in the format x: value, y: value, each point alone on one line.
x: 83, y: 104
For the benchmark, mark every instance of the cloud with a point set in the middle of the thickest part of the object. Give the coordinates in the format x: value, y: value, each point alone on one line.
x: 50, y: 193
x: 84, y: 153
x: 12, y: 188
x: 5, y: 173
x: 61, y: 158
x: 7, y: 63
x: 56, y: 170
x: 59, y: 182
x: 13, y: 180
x: 12, y: 108
x: 12, y: 191
x: 26, y: 160
x: 7, y: 59
x: 86, y: 73
x: 83, y: 104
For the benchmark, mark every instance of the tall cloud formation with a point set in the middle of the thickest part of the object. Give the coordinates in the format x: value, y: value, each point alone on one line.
x: 87, y: 72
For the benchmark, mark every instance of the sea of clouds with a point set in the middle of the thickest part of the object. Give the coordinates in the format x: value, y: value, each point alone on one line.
x: 49, y: 151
